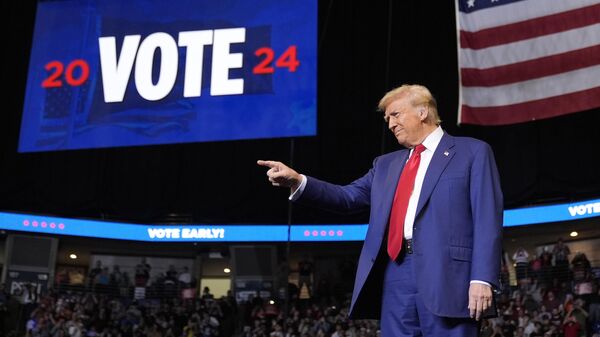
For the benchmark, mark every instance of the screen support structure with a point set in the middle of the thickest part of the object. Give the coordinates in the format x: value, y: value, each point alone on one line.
x: 287, y: 245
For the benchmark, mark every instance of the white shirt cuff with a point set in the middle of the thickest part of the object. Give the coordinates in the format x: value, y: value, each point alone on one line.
x: 298, y: 192
x: 481, y: 282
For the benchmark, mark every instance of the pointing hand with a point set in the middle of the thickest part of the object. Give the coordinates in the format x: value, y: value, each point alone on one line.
x: 281, y: 175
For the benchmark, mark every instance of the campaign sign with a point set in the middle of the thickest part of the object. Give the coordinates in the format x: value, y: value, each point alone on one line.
x: 107, y: 73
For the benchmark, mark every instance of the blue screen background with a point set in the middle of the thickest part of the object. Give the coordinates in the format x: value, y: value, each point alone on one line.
x: 282, y: 104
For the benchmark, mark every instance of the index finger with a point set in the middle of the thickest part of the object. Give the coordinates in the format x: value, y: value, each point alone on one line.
x: 267, y: 163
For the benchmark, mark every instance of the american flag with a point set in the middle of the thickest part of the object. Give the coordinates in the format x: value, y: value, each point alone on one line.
x: 523, y: 60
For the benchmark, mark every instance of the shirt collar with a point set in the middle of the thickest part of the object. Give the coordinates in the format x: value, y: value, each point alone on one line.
x: 432, y: 141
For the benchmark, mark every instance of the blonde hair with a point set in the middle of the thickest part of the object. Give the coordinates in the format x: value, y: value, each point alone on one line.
x: 419, y: 95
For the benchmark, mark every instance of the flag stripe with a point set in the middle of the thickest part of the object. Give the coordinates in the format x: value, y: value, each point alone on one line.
x: 525, y: 60
x: 531, y: 49
x: 517, y: 12
x: 573, y: 81
x: 533, y: 110
x: 531, y: 69
x: 532, y: 28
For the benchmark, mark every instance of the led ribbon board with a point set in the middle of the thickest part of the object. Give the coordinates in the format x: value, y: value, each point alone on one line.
x: 328, y: 232
x: 107, y: 73
x: 155, y: 233
x: 553, y: 213
x: 259, y: 233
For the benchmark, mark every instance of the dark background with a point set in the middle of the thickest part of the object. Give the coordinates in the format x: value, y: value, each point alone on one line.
x: 365, y: 49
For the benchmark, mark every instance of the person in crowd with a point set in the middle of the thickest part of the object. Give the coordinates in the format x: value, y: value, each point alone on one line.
x: 571, y: 327
x: 142, y: 273
x: 537, y: 330
x: 561, y: 254
x: 536, y: 266
x: 530, y: 304
x: 170, y: 282
x: 580, y: 315
x: 305, y: 270
x: 535, y: 289
x: 116, y: 279
x: 171, y: 274
x: 547, y: 267
x: 93, y: 273
x: 583, y: 277
x: 551, y: 302
x: 206, y: 293
x: 521, y: 258
x: 185, y: 278
x: 497, y: 332
x: 277, y: 331
x: 124, y: 285
x: 102, y: 281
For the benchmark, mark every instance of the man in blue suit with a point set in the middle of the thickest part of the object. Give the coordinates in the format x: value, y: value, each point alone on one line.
x: 432, y: 251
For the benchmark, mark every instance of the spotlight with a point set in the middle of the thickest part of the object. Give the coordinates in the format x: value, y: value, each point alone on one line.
x: 73, y: 256
x: 227, y: 270
x: 573, y: 234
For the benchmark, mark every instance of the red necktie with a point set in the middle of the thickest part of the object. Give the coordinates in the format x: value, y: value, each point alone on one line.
x: 404, y: 189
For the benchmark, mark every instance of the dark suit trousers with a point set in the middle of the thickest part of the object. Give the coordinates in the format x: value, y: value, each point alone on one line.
x: 403, y: 312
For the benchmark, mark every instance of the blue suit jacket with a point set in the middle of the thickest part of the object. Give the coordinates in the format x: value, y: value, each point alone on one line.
x: 457, y: 230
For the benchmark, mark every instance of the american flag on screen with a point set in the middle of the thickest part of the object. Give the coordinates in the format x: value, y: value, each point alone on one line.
x: 523, y: 60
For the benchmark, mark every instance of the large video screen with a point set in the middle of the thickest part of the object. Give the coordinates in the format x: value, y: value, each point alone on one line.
x: 107, y: 73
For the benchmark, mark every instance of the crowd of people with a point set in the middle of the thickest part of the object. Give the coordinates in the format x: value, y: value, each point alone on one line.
x: 101, y: 280
x: 552, y: 296
x: 98, y: 315
x: 88, y: 314
x: 550, y: 299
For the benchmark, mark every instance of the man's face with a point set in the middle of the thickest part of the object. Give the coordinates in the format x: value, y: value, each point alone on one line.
x: 404, y: 120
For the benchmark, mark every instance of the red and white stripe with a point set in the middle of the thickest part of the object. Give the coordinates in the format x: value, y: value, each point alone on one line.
x: 528, y: 60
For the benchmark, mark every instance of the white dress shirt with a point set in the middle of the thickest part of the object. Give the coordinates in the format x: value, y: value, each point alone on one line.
x: 431, y: 143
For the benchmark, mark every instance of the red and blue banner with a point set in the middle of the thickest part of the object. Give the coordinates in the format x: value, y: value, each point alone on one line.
x: 126, y: 73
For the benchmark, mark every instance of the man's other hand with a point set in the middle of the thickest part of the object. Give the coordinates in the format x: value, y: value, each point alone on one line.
x: 480, y: 298
x: 281, y: 175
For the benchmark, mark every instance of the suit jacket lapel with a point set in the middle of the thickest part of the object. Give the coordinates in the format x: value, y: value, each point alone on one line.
x: 441, y: 157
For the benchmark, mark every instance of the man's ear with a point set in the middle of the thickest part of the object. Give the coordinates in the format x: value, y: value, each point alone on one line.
x: 423, y: 113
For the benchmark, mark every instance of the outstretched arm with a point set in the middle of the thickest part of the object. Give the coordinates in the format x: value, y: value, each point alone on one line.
x: 350, y: 198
